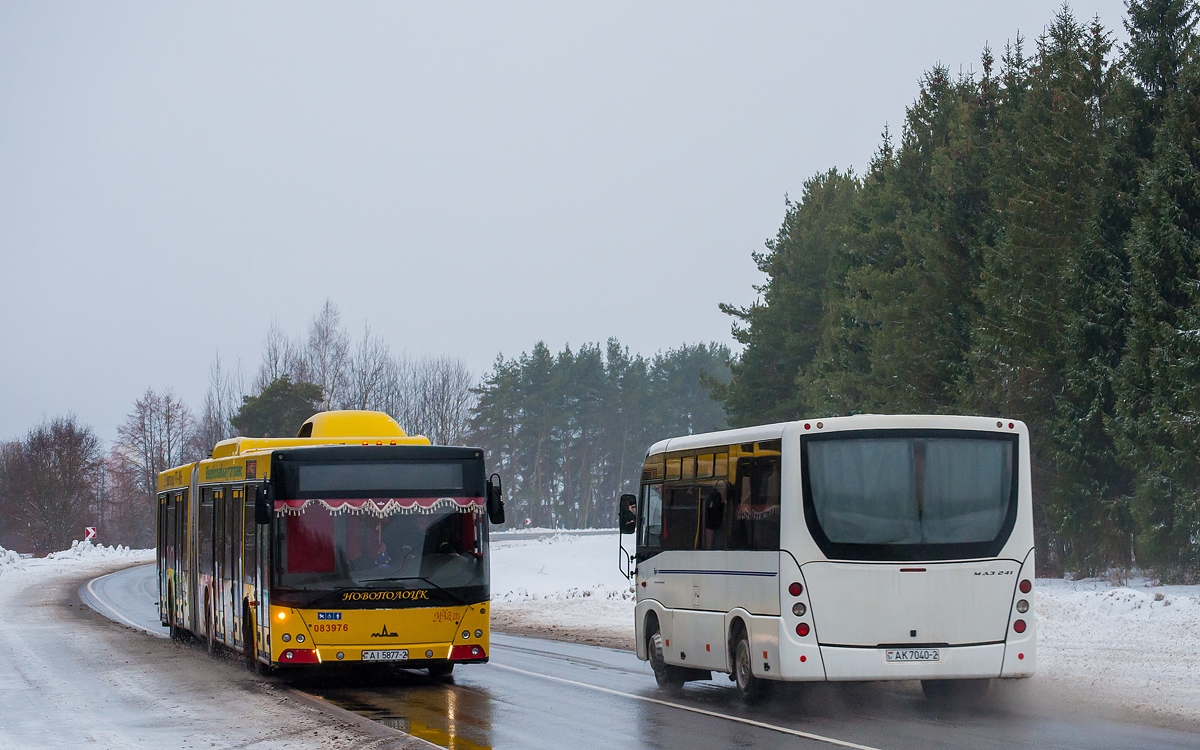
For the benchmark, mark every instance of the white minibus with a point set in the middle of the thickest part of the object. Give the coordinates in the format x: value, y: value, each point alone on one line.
x: 849, y: 548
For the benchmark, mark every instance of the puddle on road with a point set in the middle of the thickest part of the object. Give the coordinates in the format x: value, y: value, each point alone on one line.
x: 441, y: 712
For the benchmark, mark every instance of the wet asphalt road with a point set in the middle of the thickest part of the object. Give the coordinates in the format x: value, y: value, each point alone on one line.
x: 547, y: 694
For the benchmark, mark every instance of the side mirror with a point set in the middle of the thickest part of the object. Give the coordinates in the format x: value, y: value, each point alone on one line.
x: 264, y: 503
x: 627, y: 507
x: 495, y: 505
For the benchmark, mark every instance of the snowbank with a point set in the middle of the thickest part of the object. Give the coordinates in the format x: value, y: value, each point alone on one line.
x: 564, y: 586
x: 1137, y: 647
x: 88, y: 551
x: 9, y: 560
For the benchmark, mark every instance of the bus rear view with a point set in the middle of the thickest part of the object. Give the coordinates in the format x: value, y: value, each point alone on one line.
x: 917, y: 552
x: 850, y: 548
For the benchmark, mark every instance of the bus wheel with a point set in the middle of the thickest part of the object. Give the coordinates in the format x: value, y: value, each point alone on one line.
x: 440, y: 671
x: 669, y: 678
x: 962, y: 693
x: 749, y: 687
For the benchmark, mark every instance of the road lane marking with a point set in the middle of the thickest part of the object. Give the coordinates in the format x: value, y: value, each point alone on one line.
x: 693, y: 709
x: 113, y: 612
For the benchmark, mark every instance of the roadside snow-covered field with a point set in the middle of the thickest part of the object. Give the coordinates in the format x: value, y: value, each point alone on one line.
x: 566, y: 587
x: 1136, y: 647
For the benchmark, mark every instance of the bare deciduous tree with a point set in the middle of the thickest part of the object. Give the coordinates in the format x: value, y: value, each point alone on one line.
x: 50, y: 482
x: 431, y: 396
x: 225, y: 391
x: 159, y: 433
x: 327, y: 355
x: 444, y: 385
x: 372, y: 370
x: 124, y: 517
x: 281, y: 356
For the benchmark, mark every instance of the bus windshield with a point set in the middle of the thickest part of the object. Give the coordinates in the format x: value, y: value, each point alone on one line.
x: 891, y: 495
x: 324, y: 548
x: 381, y: 524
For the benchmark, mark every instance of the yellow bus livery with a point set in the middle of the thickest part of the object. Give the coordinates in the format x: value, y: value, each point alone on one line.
x: 352, y: 542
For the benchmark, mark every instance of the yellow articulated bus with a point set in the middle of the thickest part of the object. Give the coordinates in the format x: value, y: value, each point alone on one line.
x: 350, y: 543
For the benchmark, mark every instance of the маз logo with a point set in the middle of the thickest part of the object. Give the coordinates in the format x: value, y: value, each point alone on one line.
x: 385, y: 634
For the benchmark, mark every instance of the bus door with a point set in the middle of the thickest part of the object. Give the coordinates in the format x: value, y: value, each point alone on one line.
x: 177, y: 507
x: 166, y: 552
x: 262, y: 586
x: 233, y: 538
x: 207, y: 591
x: 188, y: 553
x: 220, y: 569
x: 249, y: 563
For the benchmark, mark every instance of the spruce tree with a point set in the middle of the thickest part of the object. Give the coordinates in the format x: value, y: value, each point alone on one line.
x: 1158, y: 381
x: 782, y: 331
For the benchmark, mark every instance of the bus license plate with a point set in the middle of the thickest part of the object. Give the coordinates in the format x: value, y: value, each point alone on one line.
x: 914, y: 654
x: 393, y: 655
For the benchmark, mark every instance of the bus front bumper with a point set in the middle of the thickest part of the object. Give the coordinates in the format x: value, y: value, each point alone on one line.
x: 407, y: 656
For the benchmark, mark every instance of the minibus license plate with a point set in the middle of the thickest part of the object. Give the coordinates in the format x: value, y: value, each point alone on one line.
x: 914, y: 654
x: 393, y: 655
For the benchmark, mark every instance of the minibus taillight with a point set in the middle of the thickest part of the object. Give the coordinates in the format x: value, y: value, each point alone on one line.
x: 795, y: 589
x: 1019, y: 626
x: 802, y: 629
x: 1025, y: 586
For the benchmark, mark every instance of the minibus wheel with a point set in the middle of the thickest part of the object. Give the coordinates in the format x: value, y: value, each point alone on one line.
x: 749, y: 687
x: 668, y: 677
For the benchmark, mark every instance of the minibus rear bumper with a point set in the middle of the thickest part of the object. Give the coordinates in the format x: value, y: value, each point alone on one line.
x: 954, y: 662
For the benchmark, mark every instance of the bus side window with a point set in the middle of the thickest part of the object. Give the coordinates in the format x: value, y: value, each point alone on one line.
x: 767, y: 525
x: 249, y: 561
x: 651, y: 521
x: 737, y: 504
x: 681, y: 516
x: 713, y: 507
x: 181, y: 531
x: 169, y: 537
x: 765, y: 502
x: 205, y: 553
x: 754, y: 501
x: 160, y: 530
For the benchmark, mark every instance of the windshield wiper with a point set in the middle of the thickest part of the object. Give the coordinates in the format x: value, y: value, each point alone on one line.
x: 444, y: 590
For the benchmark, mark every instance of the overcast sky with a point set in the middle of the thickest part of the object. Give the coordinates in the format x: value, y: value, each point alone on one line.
x: 467, y: 178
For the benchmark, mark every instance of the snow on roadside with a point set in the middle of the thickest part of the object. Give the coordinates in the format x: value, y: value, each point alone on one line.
x: 1137, y: 646
x: 561, y: 581
x: 9, y: 560
x: 94, y: 552
x: 80, y: 554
